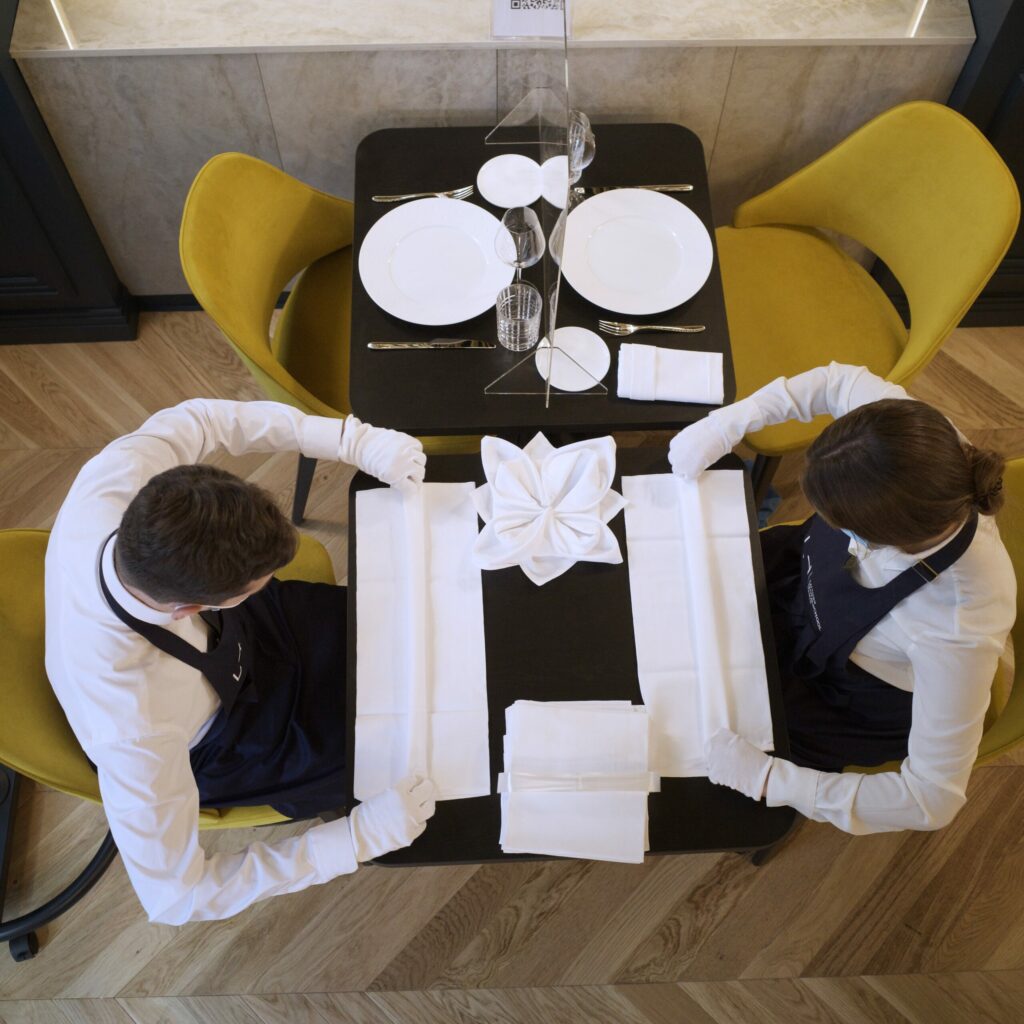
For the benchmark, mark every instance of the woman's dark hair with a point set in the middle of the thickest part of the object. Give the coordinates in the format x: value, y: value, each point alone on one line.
x: 896, y: 472
x: 200, y: 535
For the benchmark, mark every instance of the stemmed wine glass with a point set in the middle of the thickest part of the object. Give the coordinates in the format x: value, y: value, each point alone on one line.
x: 582, y: 145
x: 520, y: 240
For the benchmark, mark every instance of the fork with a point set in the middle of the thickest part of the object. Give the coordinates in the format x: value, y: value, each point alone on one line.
x: 454, y: 193
x: 622, y: 330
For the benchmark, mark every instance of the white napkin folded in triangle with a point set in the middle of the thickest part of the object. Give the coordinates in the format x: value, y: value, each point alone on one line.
x: 547, y: 508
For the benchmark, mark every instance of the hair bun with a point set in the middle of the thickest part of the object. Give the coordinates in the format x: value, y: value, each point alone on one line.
x: 987, y: 472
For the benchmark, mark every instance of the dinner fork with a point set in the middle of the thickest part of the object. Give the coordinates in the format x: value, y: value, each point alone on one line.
x: 622, y: 330
x: 454, y: 193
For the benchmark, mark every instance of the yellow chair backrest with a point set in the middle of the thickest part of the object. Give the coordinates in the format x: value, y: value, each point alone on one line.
x: 246, y: 230
x: 924, y: 190
x: 1007, y: 730
x: 35, y: 738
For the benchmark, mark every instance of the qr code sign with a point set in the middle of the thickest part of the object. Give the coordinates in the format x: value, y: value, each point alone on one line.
x: 529, y: 19
x: 535, y: 5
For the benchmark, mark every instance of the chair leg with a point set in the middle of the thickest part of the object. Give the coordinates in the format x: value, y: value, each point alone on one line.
x: 21, y: 932
x: 764, y: 469
x: 764, y: 854
x: 303, y: 481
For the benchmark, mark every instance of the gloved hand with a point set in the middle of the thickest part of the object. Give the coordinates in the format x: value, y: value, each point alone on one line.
x: 735, y: 763
x: 696, y: 447
x: 389, y: 455
x: 392, y: 819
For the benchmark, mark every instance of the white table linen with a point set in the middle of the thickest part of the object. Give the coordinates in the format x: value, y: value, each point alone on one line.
x: 421, y: 684
x: 576, y: 780
x: 654, y: 374
x: 698, y: 637
x: 547, y: 508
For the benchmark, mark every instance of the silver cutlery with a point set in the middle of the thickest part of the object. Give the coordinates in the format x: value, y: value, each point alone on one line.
x: 433, y: 343
x: 622, y: 330
x: 454, y: 193
x: 593, y: 190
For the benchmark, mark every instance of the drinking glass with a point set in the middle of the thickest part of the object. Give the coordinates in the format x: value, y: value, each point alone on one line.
x: 518, y: 308
x: 520, y: 240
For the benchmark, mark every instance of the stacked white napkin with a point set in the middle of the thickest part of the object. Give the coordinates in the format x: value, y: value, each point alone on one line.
x: 576, y: 780
x: 547, y: 508
x: 696, y: 626
x: 421, y: 674
x: 653, y: 374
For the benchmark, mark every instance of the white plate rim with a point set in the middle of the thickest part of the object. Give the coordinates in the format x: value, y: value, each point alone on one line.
x: 379, y: 243
x: 594, y: 211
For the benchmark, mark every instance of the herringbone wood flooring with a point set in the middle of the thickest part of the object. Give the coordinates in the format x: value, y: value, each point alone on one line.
x: 890, y: 928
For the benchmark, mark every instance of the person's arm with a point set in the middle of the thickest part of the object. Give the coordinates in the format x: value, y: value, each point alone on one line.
x: 952, y: 680
x: 152, y: 806
x: 827, y: 390
x: 194, y: 430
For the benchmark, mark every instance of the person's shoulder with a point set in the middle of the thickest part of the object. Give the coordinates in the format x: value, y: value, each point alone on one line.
x: 985, y: 583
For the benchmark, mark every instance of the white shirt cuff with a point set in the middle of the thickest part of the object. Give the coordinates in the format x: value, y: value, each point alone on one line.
x: 321, y: 437
x: 332, y: 849
x: 789, y: 785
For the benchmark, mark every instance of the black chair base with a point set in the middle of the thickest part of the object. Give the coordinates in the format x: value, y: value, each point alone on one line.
x: 303, y: 481
x: 20, y: 934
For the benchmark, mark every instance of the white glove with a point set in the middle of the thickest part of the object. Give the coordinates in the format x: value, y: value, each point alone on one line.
x: 389, y: 455
x: 735, y: 763
x: 392, y: 819
x: 696, y: 447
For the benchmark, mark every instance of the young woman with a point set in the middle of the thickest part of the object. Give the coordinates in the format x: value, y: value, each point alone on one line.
x: 891, y: 604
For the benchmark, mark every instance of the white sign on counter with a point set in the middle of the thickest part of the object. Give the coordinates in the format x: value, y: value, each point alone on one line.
x: 532, y: 19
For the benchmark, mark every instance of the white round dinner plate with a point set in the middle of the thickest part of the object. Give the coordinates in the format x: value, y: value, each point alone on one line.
x: 636, y: 251
x: 555, y: 175
x: 510, y: 180
x: 432, y: 261
x: 581, y: 359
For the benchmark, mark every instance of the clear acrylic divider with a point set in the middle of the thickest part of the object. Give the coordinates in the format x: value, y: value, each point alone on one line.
x: 535, y: 82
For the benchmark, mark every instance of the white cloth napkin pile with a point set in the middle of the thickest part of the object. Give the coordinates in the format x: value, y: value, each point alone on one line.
x: 421, y: 682
x: 653, y: 374
x: 547, y: 508
x: 695, y: 621
x: 576, y: 780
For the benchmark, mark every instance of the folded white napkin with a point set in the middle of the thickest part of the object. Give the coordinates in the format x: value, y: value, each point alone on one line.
x: 695, y: 621
x: 421, y: 681
x: 546, y: 508
x: 576, y: 780
x: 650, y: 373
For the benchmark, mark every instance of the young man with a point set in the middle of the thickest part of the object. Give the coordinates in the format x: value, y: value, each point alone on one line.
x: 192, y: 677
x: 891, y: 605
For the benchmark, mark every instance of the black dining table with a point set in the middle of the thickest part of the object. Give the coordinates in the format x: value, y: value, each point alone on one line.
x: 443, y: 392
x: 572, y: 639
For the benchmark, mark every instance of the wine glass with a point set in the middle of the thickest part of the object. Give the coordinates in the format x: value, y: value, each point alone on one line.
x: 582, y: 144
x: 520, y: 240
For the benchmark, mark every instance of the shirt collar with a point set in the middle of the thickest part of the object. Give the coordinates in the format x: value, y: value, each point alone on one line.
x: 131, y: 604
x: 895, y: 558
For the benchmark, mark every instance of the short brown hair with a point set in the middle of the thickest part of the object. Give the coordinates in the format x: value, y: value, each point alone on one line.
x: 896, y: 472
x: 200, y: 535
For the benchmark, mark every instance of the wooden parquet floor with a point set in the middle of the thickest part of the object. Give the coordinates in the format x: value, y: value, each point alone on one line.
x: 905, y: 927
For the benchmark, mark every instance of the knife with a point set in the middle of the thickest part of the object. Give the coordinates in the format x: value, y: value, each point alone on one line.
x: 593, y: 190
x: 433, y: 343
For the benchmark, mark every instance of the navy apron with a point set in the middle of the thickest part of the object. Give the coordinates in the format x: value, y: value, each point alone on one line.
x: 277, y: 663
x: 838, y: 714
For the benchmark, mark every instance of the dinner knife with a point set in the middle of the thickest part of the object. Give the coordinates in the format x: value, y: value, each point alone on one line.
x: 433, y: 343
x: 593, y: 190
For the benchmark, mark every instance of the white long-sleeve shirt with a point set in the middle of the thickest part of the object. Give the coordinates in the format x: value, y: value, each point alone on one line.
x: 942, y: 643
x: 137, y: 711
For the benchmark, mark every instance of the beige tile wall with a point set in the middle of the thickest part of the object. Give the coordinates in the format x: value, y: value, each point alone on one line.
x: 134, y: 130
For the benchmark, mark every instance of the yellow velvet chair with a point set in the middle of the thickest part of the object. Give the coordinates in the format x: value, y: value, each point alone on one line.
x: 921, y: 188
x: 247, y: 229
x: 35, y: 739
